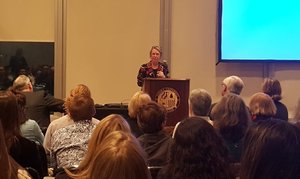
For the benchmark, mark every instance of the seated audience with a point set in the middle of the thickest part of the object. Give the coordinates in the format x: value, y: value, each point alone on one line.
x: 231, y: 117
x: 231, y: 84
x: 138, y: 99
x: 272, y: 88
x: 39, y: 104
x: 197, y: 152
x: 118, y: 157
x: 25, y: 152
x: 155, y: 141
x: 29, y: 128
x: 107, y: 125
x: 9, y: 168
x: 261, y: 107
x: 271, y: 151
x: 68, y: 144
x: 79, y: 90
x: 199, y: 104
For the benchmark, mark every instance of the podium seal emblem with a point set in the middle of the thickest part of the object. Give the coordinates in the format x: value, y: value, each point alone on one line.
x: 169, y: 98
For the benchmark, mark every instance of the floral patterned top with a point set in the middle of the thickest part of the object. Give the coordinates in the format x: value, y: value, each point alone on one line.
x: 146, y: 71
x: 70, y: 143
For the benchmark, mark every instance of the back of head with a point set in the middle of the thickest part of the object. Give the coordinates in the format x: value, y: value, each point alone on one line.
x: 200, y: 102
x: 79, y: 90
x: 231, y: 117
x: 81, y: 108
x: 21, y: 101
x: 110, y: 123
x: 107, y: 125
x: 151, y: 117
x: 119, y: 156
x: 262, y: 104
x: 9, y: 115
x: 137, y: 100
x: 271, y: 151
x: 197, y: 151
x: 272, y: 88
x: 234, y: 84
x: 21, y: 83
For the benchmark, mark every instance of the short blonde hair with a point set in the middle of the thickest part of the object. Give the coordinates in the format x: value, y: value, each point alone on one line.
x: 138, y: 99
x: 21, y: 83
x: 262, y: 104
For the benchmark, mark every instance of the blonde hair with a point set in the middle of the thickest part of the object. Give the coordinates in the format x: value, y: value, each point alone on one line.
x: 111, y: 123
x: 21, y: 82
x: 138, y: 99
x: 119, y: 156
x: 262, y: 104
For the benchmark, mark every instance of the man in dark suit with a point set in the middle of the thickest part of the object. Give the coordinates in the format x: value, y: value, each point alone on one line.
x: 39, y: 104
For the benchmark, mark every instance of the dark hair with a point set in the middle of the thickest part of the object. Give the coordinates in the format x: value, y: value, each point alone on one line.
x: 231, y: 117
x: 9, y: 116
x: 81, y: 108
x: 197, y: 152
x: 150, y: 117
x: 21, y: 101
x: 272, y: 88
x: 271, y: 151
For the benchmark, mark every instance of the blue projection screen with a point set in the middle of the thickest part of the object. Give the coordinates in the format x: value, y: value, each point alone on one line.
x: 255, y: 30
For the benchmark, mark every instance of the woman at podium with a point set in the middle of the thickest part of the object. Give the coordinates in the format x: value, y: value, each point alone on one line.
x: 154, y: 68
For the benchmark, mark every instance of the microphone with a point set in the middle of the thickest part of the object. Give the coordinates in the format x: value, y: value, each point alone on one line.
x: 165, y: 64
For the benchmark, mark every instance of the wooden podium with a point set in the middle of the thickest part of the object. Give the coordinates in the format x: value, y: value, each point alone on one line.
x: 173, y: 94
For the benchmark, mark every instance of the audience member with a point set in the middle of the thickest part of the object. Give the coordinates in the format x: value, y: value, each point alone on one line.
x: 231, y: 117
x: 8, y: 167
x: 154, y: 68
x: 107, y: 125
x: 199, y: 104
x: 29, y: 128
x: 271, y: 151
x: 68, y: 144
x: 231, y: 84
x: 261, y: 107
x: 25, y: 152
x: 138, y: 99
x: 156, y: 143
x: 64, y: 121
x: 39, y: 104
x: 197, y: 152
x: 119, y: 156
x: 272, y: 88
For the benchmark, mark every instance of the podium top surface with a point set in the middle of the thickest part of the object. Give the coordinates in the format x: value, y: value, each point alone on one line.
x: 166, y: 79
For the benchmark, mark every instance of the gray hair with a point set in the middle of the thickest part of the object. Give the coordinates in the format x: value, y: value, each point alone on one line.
x: 200, y: 102
x: 234, y: 84
x: 21, y: 83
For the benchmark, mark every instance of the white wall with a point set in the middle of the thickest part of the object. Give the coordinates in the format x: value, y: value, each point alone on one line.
x: 107, y: 41
x: 30, y: 20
